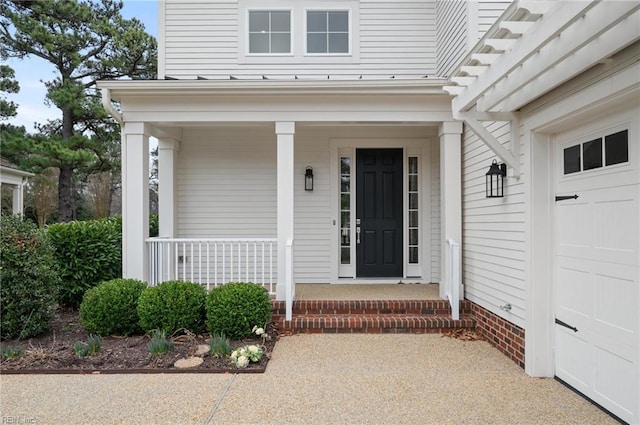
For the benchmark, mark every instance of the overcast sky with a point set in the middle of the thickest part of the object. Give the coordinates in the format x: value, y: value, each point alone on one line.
x: 30, y: 71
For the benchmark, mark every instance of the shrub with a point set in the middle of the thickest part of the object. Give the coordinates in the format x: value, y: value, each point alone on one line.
x: 220, y: 346
x: 87, y: 252
x: 172, y: 306
x: 235, y: 308
x: 159, y: 343
x: 90, y: 348
x: 111, y: 307
x: 29, y: 280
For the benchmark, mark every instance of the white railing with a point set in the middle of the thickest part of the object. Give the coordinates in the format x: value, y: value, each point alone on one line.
x: 213, y: 262
x: 453, y: 277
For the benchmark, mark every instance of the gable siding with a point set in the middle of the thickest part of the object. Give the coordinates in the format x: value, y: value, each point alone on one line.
x: 202, y: 39
x: 493, y: 231
x: 488, y: 12
x: 452, y: 34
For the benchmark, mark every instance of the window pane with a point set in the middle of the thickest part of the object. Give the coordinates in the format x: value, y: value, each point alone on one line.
x: 616, y: 147
x: 345, y: 165
x: 316, y: 21
x: 280, y: 22
x: 572, y: 159
x: 317, y: 43
x: 345, y: 201
x: 413, y: 255
x: 413, y: 165
x: 259, y: 43
x: 413, y: 201
x: 413, y: 218
x: 413, y: 183
x: 338, y: 43
x: 345, y: 184
x: 280, y: 43
x: 338, y: 21
x: 413, y: 236
x: 345, y: 237
x: 592, y: 154
x: 344, y: 220
x: 345, y: 255
x: 258, y: 21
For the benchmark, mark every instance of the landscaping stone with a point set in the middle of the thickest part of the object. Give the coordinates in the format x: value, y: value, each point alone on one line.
x: 188, y: 362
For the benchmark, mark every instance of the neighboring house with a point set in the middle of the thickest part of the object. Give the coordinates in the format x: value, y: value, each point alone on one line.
x: 348, y: 141
x: 12, y: 176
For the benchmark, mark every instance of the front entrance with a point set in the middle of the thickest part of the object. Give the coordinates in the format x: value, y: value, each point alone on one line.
x: 379, y: 213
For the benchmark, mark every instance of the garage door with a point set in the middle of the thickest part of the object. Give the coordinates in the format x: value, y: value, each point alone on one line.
x: 596, y: 267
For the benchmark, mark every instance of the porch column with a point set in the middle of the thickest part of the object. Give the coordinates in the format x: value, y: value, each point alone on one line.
x: 18, y: 199
x: 135, y: 200
x: 167, y: 156
x: 285, y: 131
x: 451, y: 193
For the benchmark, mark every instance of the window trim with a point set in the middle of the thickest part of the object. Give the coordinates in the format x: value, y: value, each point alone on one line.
x: 327, y: 10
x: 247, y: 31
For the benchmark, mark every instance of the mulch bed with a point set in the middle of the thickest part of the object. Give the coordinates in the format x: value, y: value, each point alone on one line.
x: 53, y: 352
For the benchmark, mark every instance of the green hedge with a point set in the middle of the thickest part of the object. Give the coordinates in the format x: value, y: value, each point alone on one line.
x: 235, y: 308
x: 172, y: 306
x: 87, y: 252
x: 29, y: 281
x: 111, y: 307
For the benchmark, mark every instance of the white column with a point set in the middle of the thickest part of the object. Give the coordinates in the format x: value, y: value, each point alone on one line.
x: 285, y: 131
x: 167, y: 157
x: 450, y: 193
x: 135, y: 201
x: 18, y: 199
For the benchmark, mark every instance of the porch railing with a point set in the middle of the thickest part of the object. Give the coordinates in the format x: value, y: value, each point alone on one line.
x: 213, y: 262
x: 453, y: 277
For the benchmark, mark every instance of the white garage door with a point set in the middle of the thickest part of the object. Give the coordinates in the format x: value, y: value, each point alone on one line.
x: 596, y: 268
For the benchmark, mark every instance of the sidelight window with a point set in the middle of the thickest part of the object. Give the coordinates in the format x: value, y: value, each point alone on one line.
x: 345, y: 210
x: 414, y: 210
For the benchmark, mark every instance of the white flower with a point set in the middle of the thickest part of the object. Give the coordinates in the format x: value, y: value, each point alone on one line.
x: 258, y: 331
x: 253, y: 349
x: 242, y: 361
x: 234, y: 355
x: 254, y: 328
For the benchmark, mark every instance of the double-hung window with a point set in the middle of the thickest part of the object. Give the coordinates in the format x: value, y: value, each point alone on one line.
x: 269, y: 32
x: 327, y: 32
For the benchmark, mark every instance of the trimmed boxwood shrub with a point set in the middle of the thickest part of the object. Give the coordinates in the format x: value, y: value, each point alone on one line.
x: 29, y: 279
x: 235, y: 308
x: 172, y: 306
x: 111, y: 307
x: 87, y: 252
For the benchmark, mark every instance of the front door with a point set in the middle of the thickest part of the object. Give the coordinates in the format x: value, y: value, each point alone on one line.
x: 379, y: 213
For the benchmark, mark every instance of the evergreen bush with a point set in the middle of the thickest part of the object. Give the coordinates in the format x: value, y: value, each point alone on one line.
x: 87, y: 252
x: 172, y: 306
x: 111, y: 307
x: 29, y: 281
x: 235, y: 308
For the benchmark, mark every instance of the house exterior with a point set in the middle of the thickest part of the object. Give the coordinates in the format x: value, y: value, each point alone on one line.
x: 15, y: 178
x: 348, y: 141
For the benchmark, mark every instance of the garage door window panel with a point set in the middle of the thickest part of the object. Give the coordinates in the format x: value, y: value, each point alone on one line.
x: 592, y: 154
x: 617, y: 147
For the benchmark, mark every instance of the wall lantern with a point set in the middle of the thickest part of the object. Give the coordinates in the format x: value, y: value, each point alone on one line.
x: 495, y: 180
x: 308, y: 179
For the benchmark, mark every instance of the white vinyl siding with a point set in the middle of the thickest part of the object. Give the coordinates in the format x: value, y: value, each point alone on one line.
x: 451, y: 34
x: 488, y: 12
x: 393, y: 38
x: 493, y: 231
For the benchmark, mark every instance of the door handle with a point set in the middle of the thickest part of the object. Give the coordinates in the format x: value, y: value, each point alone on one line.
x: 566, y: 325
x: 358, y: 234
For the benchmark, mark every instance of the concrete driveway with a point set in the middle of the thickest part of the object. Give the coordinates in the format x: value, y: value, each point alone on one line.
x: 314, y: 379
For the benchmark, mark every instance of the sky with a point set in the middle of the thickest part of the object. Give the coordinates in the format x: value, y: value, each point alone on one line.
x: 30, y: 71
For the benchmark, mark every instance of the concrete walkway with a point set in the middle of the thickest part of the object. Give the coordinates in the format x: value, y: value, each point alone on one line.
x: 314, y: 379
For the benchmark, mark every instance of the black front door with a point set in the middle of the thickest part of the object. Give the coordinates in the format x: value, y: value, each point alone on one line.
x: 379, y: 211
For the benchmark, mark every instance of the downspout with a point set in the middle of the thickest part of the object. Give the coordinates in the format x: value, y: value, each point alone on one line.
x: 106, y: 104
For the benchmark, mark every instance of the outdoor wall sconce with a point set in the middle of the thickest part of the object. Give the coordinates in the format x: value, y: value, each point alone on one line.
x: 495, y: 180
x: 308, y: 179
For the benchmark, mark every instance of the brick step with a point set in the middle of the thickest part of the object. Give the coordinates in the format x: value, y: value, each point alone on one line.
x: 373, y: 323
x: 370, y: 307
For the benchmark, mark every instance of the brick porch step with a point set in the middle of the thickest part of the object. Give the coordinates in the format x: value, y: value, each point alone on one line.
x: 372, y: 316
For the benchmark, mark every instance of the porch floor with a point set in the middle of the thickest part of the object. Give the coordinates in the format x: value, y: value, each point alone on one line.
x: 358, y: 291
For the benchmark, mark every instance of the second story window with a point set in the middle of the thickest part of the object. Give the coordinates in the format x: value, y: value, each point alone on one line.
x: 269, y: 32
x: 327, y: 32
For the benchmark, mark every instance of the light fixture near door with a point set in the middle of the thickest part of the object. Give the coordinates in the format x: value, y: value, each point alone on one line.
x: 308, y: 179
x: 495, y: 180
